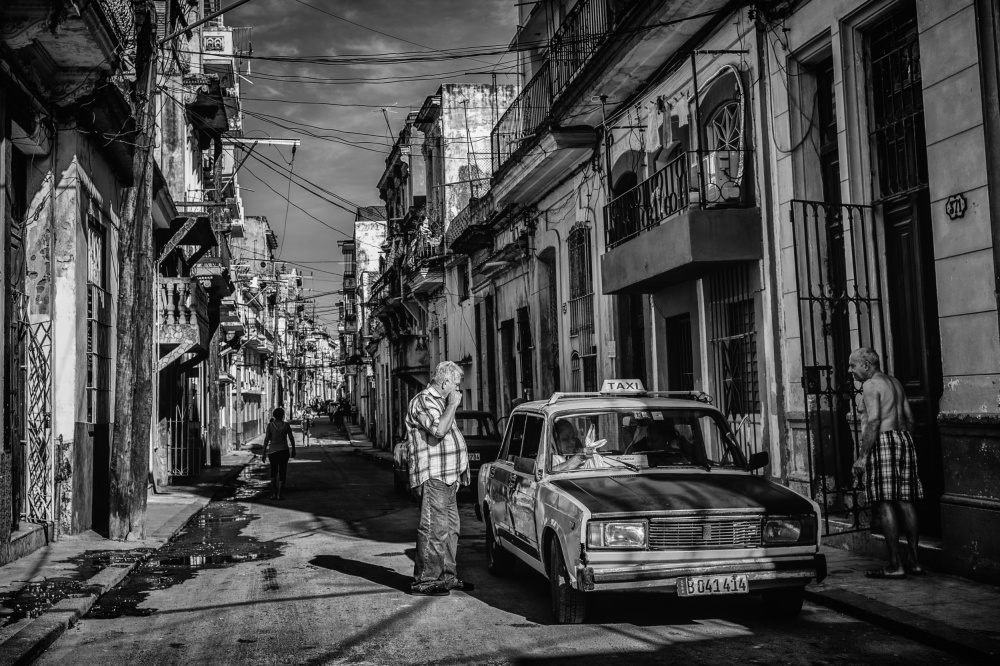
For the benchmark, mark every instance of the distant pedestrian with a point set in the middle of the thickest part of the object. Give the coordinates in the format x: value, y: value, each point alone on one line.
x: 438, y: 462
x: 888, y: 461
x: 279, y: 446
x: 306, y: 424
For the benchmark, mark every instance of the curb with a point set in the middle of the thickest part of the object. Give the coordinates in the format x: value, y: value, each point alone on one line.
x: 27, y: 645
x: 923, y: 630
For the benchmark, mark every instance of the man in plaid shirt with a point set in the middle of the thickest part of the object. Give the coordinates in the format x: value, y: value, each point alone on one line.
x: 438, y: 463
x: 888, y: 461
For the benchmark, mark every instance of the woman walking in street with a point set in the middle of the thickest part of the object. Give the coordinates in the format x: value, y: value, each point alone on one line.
x: 279, y: 444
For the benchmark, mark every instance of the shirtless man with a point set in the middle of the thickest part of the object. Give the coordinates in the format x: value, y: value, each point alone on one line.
x: 888, y: 461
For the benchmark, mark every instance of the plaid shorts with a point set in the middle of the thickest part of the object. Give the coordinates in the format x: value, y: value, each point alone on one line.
x: 891, y: 469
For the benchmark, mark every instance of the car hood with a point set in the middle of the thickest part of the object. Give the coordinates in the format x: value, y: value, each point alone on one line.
x: 682, y: 492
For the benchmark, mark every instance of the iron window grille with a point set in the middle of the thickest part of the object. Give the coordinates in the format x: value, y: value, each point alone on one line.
x: 581, y: 306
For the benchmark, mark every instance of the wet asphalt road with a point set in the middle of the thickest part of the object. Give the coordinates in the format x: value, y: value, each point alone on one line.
x: 320, y: 578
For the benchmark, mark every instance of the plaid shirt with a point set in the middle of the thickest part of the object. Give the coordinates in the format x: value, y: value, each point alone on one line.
x: 432, y: 457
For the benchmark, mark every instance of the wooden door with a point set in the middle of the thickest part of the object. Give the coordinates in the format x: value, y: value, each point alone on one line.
x: 916, y: 344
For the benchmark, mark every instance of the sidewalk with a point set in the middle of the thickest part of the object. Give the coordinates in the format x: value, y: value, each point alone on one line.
x: 50, y: 570
x: 954, y: 614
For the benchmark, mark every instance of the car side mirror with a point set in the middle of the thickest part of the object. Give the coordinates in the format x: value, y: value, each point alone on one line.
x: 524, y: 465
x: 759, y: 460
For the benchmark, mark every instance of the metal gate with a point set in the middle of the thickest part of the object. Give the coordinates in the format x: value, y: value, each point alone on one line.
x: 28, y: 404
x: 838, y: 287
x: 40, y: 478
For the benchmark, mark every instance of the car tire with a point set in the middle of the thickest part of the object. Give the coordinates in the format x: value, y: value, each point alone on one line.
x: 784, y: 602
x: 498, y: 561
x: 569, y: 606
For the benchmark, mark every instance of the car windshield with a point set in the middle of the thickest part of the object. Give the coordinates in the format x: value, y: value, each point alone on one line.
x: 477, y: 425
x: 650, y: 438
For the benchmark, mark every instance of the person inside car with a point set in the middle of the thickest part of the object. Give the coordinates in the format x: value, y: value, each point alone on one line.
x: 662, y: 437
x: 570, y: 453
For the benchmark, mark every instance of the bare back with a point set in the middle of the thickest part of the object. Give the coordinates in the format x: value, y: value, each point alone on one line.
x: 884, y: 402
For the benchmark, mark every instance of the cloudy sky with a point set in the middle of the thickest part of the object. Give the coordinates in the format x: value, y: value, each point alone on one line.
x: 341, y: 106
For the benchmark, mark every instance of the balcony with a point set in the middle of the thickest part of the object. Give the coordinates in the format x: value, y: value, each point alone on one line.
x: 182, y: 319
x: 691, y: 217
x: 425, y: 264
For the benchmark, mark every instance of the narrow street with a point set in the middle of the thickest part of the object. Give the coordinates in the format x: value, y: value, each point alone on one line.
x: 321, y: 577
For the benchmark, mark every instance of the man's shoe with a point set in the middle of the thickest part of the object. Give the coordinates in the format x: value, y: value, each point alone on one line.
x: 431, y: 592
x: 463, y: 585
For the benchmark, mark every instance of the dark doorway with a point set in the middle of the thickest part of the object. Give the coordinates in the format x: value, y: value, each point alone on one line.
x: 489, y: 325
x: 900, y: 160
x: 680, y: 355
x: 508, y: 353
x: 632, y: 337
x: 525, y: 349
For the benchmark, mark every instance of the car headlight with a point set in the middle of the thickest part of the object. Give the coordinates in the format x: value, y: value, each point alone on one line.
x: 616, y: 535
x: 790, y: 530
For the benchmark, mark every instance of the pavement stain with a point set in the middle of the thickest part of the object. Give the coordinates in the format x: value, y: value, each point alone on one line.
x: 213, y: 539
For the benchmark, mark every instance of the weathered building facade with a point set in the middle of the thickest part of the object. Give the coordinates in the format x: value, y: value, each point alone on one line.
x: 66, y: 192
x: 730, y: 200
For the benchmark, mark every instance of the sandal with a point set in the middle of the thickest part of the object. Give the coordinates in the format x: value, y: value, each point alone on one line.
x: 915, y: 571
x: 882, y: 574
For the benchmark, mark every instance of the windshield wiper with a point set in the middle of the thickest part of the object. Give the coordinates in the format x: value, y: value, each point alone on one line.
x: 622, y: 463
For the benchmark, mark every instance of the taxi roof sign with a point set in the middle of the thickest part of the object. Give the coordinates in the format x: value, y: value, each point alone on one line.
x: 622, y: 387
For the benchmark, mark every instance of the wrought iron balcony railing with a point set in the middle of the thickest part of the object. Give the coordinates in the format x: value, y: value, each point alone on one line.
x: 523, y: 117
x: 588, y: 26
x: 581, y: 33
x: 695, y: 179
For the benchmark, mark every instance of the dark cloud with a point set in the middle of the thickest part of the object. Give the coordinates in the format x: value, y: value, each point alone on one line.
x: 275, y: 96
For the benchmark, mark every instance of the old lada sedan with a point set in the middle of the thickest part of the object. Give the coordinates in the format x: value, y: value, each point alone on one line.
x: 630, y: 490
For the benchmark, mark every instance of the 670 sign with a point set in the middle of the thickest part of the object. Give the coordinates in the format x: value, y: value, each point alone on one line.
x: 704, y: 585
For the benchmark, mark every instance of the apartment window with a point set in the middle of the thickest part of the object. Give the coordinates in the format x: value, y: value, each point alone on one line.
x: 581, y: 306
x: 829, y: 155
x: 463, y: 281
x: 98, y: 326
x: 897, y: 105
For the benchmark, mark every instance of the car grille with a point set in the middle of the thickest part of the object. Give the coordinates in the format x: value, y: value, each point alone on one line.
x: 689, y: 534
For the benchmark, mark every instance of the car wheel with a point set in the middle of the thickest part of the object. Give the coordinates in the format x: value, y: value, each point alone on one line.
x: 498, y: 561
x: 784, y: 602
x: 569, y: 606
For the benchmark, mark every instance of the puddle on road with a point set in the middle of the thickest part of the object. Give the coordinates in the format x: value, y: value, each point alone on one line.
x: 252, y: 483
x: 35, y: 598
x: 212, y: 540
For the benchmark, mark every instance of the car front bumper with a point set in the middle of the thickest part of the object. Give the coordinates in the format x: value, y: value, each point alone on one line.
x: 762, y: 573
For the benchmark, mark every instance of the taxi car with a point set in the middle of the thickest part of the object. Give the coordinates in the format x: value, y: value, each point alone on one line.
x: 482, y: 441
x: 633, y: 490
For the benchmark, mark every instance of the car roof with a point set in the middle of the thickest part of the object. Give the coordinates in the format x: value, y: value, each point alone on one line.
x: 569, y: 403
x: 472, y: 412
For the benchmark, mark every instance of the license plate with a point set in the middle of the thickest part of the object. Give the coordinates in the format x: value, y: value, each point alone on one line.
x: 473, y: 456
x: 696, y: 586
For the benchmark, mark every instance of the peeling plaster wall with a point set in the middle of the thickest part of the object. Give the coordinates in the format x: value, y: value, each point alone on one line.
x: 467, y: 113
x: 85, y: 185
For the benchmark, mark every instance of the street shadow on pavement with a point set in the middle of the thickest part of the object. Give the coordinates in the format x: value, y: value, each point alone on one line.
x: 375, y: 573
